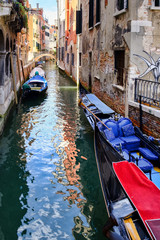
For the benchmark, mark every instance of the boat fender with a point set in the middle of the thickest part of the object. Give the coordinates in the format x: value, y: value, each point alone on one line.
x: 114, y: 236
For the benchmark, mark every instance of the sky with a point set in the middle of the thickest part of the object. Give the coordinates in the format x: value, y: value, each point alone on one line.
x: 49, y: 7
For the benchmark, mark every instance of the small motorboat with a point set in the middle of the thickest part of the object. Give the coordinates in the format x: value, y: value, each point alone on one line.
x: 35, y: 85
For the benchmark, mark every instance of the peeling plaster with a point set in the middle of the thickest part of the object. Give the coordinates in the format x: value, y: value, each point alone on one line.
x: 142, y: 11
x: 143, y: 17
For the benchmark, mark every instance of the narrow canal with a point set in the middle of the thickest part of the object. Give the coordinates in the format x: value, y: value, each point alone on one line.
x: 49, y: 184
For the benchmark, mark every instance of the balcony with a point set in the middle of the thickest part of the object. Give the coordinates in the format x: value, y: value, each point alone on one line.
x: 149, y: 92
x: 5, y: 8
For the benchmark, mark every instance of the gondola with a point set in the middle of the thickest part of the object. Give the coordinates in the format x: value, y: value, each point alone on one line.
x: 118, y: 203
x: 126, y: 217
x: 128, y: 141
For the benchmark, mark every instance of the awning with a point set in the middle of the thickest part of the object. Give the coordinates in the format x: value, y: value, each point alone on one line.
x: 99, y: 104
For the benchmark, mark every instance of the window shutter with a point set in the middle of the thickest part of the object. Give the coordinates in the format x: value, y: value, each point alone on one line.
x: 78, y: 21
x: 125, y: 4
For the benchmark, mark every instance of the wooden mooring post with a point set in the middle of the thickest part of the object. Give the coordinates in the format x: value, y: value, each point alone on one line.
x: 19, y: 71
x: 13, y: 77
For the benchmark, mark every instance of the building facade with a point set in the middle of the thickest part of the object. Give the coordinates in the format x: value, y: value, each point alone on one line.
x: 12, y: 21
x: 53, y: 38
x: 118, y: 42
x: 61, y: 34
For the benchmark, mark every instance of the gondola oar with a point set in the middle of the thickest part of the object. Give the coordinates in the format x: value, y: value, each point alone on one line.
x: 81, y: 103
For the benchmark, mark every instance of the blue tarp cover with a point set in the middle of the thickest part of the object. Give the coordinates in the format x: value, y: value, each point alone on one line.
x: 99, y: 104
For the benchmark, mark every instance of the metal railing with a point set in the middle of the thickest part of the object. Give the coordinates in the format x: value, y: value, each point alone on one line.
x: 149, y: 92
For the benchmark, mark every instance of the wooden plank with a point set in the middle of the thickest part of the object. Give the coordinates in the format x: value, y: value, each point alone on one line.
x: 131, y: 229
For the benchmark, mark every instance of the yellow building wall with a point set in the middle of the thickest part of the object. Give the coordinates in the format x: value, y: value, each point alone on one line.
x: 30, y: 32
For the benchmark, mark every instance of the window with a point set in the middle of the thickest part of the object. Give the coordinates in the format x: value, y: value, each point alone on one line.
x: 68, y: 58
x: 66, y: 45
x: 79, y: 21
x: 156, y: 3
x: 119, y: 63
x: 62, y: 54
x: 91, y: 13
x: 80, y: 59
x: 7, y: 64
x: 122, y: 4
x: 47, y: 34
x: 72, y: 59
x: 98, y: 11
x: 59, y: 53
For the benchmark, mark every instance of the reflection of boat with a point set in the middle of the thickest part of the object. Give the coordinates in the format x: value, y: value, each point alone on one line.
x: 109, y: 149
x: 35, y: 85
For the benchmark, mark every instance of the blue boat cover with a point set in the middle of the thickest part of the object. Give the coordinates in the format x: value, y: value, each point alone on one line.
x: 37, y: 77
x: 99, y: 104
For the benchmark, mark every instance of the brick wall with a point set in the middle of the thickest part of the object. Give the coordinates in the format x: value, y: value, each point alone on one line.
x: 151, y: 124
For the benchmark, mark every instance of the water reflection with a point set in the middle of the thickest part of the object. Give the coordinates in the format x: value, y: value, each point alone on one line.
x: 49, y: 178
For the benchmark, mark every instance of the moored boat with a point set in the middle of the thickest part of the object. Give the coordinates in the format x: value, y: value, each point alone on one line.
x: 117, y: 140
x: 38, y: 69
x: 129, y: 195
x: 35, y: 85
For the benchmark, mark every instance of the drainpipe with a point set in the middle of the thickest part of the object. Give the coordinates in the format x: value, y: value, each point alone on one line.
x: 78, y: 52
x: 126, y: 97
x: 58, y: 33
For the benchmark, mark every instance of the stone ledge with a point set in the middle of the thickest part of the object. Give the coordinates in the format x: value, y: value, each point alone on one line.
x: 150, y: 110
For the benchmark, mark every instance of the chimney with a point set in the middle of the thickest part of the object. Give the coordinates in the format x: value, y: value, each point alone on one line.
x: 37, y: 5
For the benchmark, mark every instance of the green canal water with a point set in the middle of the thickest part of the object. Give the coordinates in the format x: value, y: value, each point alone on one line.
x: 49, y: 184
